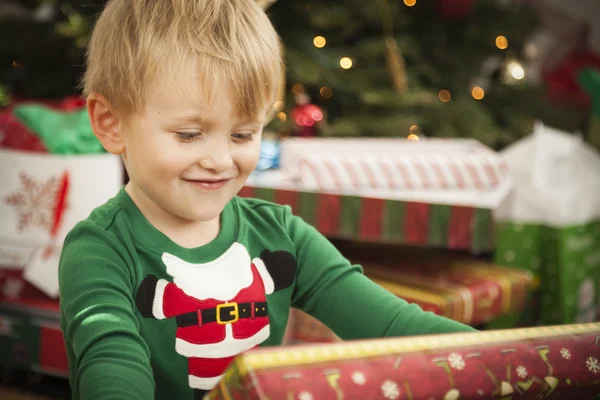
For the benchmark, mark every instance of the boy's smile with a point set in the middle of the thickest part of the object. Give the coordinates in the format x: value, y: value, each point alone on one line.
x: 208, y: 184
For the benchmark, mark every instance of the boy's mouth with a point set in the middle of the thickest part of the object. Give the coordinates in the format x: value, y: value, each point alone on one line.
x: 208, y: 184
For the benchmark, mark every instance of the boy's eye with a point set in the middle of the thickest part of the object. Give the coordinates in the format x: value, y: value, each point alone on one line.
x: 242, y: 137
x: 188, y: 136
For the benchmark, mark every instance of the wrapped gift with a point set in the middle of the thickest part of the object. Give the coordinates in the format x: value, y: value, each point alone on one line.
x: 43, y: 196
x: 30, y: 335
x: 550, y: 225
x: 396, y: 164
x: 561, y: 361
x: 469, y: 292
x: 367, y: 218
x: 448, y: 201
x: 466, y: 290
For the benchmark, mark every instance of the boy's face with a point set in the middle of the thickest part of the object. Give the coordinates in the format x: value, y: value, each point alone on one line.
x: 187, y: 162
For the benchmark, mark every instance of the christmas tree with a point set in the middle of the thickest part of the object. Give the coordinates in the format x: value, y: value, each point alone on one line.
x: 444, y: 68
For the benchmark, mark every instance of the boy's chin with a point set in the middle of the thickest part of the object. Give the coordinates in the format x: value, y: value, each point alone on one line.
x: 206, y: 212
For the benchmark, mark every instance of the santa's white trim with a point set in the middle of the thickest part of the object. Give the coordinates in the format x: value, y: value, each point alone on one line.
x: 167, y: 258
x: 197, y: 382
x: 264, y: 274
x: 159, y: 295
x: 226, y: 348
x: 221, y: 279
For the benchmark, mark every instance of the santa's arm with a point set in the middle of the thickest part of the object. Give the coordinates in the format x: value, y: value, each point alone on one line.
x: 160, y: 299
x: 277, y: 269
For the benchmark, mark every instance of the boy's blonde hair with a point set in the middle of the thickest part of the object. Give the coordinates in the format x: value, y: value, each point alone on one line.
x: 229, y: 42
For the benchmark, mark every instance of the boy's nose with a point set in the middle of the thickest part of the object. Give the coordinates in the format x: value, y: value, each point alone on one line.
x: 217, y: 157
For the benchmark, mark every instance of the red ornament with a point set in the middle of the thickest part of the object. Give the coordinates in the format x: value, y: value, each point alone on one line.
x: 561, y: 82
x: 306, y: 116
x: 455, y: 8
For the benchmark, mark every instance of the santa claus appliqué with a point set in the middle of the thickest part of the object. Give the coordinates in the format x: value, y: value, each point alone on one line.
x: 220, y: 307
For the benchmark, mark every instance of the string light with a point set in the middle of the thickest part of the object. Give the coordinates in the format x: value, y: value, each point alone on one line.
x: 278, y: 106
x: 445, y: 95
x: 317, y: 115
x: 281, y: 116
x: 413, y: 137
x: 501, y: 42
x: 346, y: 62
x: 298, y: 88
x: 477, y: 92
x: 516, y: 70
x: 319, y: 42
x: 326, y: 92
x: 410, y: 3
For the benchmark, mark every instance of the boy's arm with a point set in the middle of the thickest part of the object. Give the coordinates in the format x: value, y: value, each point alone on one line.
x: 108, y: 357
x: 339, y: 295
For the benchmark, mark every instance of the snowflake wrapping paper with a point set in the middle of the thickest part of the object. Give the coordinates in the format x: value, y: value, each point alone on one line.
x: 42, y: 196
x: 558, y: 361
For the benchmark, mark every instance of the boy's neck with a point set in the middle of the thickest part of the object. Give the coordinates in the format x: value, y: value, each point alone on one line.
x: 185, y: 233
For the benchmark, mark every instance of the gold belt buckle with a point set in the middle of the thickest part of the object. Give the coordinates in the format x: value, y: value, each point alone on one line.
x: 235, y: 313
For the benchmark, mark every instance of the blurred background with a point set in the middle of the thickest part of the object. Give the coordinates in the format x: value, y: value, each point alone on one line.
x: 449, y: 146
x: 441, y: 68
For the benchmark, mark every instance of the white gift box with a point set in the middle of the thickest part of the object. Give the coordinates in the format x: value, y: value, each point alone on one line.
x: 42, y: 197
x: 441, y: 171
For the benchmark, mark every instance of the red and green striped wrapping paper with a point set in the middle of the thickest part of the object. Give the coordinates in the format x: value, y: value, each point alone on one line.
x: 555, y: 361
x: 391, y: 221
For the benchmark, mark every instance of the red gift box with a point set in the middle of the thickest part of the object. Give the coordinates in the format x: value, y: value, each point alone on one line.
x: 558, y: 361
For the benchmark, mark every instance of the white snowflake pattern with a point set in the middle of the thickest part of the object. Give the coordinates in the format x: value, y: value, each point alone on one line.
x: 34, y: 203
x: 593, y: 365
x: 565, y: 353
x: 305, y: 396
x: 522, y: 372
x: 358, y: 378
x: 390, y: 390
x: 509, y: 255
x: 456, y: 361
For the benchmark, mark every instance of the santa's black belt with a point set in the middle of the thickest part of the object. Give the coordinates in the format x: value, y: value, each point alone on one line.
x: 226, y: 313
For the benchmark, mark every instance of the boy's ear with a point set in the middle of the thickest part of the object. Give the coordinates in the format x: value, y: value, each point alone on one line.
x: 106, y: 123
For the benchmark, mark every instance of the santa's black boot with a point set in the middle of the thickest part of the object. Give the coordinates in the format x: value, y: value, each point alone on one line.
x: 199, y: 394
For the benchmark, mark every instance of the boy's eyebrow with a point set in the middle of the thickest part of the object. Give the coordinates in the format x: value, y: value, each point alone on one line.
x: 194, y: 118
x: 197, y: 119
x: 249, y: 121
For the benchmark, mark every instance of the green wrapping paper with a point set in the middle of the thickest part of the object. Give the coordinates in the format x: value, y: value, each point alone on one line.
x: 567, y: 264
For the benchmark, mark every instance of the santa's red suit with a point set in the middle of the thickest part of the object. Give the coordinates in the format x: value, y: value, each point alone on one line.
x: 220, y: 309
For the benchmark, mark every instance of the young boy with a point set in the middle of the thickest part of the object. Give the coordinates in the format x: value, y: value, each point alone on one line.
x: 162, y: 286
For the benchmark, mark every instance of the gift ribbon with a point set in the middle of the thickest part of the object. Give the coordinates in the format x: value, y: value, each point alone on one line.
x: 59, y: 211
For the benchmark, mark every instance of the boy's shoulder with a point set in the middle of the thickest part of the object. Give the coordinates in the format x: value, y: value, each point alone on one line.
x: 101, y: 219
x: 250, y: 204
